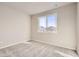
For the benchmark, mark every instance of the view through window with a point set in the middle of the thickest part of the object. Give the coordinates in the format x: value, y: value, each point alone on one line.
x: 48, y: 23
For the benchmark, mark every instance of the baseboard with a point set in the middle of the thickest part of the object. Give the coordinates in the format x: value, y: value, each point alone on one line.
x: 14, y: 44
x: 53, y: 44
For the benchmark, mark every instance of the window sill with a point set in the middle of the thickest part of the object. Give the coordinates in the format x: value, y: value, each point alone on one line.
x: 47, y: 32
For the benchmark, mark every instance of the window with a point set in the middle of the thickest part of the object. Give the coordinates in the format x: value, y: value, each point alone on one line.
x: 42, y: 23
x: 48, y: 23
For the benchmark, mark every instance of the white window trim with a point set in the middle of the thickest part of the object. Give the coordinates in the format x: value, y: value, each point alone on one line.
x: 47, y: 23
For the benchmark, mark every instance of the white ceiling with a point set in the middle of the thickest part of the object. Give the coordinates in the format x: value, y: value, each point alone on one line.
x: 34, y: 7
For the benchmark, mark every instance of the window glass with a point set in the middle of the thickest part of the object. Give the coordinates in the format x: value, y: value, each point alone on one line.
x: 48, y: 23
x: 42, y: 23
x: 51, y: 22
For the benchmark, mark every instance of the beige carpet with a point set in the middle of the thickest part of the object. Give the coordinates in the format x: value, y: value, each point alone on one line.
x: 36, y: 49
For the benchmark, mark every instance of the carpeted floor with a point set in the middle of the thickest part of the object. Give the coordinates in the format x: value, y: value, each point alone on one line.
x: 36, y: 49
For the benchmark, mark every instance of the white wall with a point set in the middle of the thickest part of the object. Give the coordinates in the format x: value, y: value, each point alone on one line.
x: 78, y: 28
x: 66, y: 35
x: 14, y: 26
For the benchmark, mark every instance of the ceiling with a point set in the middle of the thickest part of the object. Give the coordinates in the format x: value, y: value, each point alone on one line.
x: 34, y: 7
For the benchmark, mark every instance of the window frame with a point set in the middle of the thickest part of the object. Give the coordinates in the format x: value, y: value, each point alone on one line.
x: 47, y: 23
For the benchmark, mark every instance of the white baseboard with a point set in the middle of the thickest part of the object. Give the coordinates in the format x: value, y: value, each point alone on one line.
x: 5, y: 46
x: 53, y: 44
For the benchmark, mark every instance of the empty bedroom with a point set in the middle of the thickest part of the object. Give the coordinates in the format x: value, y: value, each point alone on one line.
x: 39, y: 29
